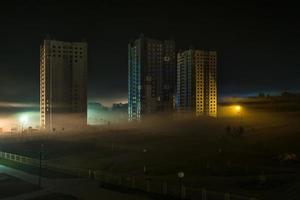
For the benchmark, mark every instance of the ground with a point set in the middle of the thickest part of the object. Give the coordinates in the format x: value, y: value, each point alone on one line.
x: 204, y: 149
x: 55, y: 196
x: 11, y: 186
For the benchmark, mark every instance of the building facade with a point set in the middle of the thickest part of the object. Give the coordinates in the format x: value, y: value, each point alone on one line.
x: 151, y: 77
x: 197, y: 82
x: 63, y: 85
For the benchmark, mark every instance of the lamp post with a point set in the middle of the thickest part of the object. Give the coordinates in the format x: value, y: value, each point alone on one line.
x: 40, y: 166
x: 23, y: 121
x: 180, y: 176
x: 145, y: 167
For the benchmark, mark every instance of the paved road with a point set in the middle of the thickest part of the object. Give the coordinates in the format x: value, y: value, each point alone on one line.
x: 82, y: 188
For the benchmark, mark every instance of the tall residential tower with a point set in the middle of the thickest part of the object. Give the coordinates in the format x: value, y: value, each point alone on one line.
x: 151, y: 77
x: 197, y: 82
x: 63, y: 85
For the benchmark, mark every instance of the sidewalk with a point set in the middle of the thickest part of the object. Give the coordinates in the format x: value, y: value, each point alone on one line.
x: 29, y: 195
x: 81, y: 188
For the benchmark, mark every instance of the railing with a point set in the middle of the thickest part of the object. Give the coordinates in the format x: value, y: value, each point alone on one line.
x: 130, y: 183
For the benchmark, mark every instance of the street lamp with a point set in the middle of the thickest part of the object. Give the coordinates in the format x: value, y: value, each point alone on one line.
x: 40, y: 166
x: 238, y: 108
x: 145, y: 167
x: 180, y: 176
x: 23, y: 120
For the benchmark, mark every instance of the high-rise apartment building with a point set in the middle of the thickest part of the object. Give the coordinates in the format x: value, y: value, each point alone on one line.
x: 63, y: 85
x: 151, y: 77
x: 197, y: 82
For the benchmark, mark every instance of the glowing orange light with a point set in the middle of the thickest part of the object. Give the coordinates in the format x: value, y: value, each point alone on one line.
x: 238, y: 108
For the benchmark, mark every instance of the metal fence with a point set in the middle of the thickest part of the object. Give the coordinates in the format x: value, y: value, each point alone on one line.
x: 147, y: 185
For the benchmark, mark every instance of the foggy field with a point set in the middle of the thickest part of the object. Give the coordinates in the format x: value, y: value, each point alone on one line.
x: 208, y: 154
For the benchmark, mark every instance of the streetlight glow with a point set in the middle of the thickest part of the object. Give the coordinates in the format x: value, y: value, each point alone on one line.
x: 24, y: 119
x: 238, y: 108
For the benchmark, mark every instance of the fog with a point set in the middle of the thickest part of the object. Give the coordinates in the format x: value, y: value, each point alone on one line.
x: 233, y: 148
x: 16, y: 120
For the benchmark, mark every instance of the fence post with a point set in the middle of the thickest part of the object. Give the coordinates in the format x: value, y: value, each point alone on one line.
x: 203, y: 194
x: 90, y: 173
x: 96, y: 177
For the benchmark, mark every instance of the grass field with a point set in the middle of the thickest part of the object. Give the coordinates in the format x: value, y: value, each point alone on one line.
x: 209, y: 155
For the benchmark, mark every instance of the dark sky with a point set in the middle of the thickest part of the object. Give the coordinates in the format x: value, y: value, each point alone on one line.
x: 258, y: 43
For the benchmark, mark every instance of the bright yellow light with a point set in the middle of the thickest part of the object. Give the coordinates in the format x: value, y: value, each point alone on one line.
x: 238, y: 108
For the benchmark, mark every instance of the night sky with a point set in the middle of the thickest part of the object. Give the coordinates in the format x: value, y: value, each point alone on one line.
x: 258, y: 43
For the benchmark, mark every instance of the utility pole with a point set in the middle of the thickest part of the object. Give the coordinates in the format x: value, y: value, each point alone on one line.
x: 40, y: 166
x: 180, y: 176
x: 145, y: 162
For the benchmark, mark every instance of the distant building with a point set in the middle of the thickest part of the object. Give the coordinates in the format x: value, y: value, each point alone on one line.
x: 32, y: 130
x: 63, y: 85
x: 14, y: 130
x: 120, y: 107
x: 197, y: 82
x: 97, y: 106
x: 290, y: 95
x: 99, y: 114
x: 120, y: 112
x: 151, y: 77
